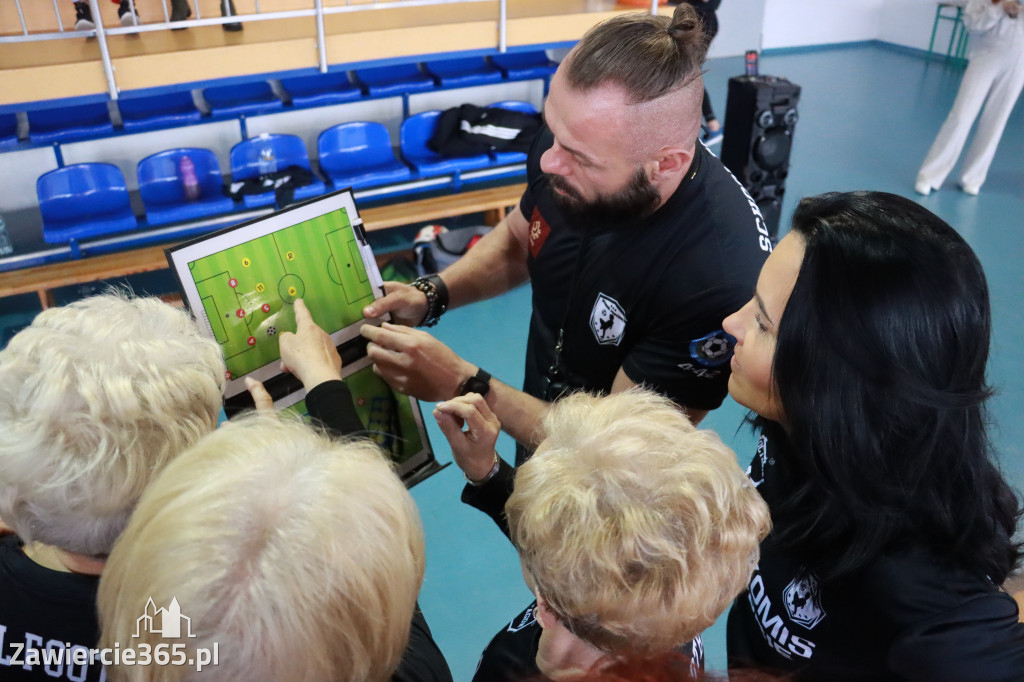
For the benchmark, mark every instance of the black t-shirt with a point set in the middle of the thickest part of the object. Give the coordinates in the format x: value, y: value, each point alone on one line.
x: 50, y: 612
x: 648, y: 296
x: 906, y: 616
x: 511, y: 655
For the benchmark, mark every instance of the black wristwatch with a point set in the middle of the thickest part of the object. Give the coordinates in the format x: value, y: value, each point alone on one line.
x: 478, y: 383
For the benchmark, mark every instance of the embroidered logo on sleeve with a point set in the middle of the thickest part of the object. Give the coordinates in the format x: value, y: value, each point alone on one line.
x: 607, y: 321
x: 539, y: 231
x: 712, y: 350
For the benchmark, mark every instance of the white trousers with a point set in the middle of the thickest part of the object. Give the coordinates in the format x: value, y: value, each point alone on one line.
x: 996, y: 76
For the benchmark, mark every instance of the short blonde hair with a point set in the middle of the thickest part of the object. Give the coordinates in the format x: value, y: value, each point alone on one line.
x: 299, y: 556
x: 95, y: 398
x: 637, y: 528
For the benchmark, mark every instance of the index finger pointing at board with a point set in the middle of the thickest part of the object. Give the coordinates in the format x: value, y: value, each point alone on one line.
x: 303, y: 318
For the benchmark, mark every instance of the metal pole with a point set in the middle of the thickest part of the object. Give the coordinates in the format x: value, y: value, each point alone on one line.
x: 654, y: 6
x: 163, y: 3
x: 101, y: 38
x: 321, y: 41
x: 257, y: 6
x: 24, y: 27
x: 502, y: 25
x: 60, y: 23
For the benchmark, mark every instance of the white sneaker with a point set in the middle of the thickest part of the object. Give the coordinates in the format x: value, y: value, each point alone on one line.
x: 83, y: 17
x: 127, y: 16
x: 922, y: 188
x: 970, y: 189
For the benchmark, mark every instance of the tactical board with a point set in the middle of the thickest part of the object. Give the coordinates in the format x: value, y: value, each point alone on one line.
x: 241, y: 283
x: 247, y: 290
x: 391, y: 419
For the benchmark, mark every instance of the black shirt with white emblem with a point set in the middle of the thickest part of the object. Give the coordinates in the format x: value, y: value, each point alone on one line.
x: 908, y: 615
x: 648, y: 296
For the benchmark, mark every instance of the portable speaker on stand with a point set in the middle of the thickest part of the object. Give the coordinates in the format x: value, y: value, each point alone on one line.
x: 760, y: 116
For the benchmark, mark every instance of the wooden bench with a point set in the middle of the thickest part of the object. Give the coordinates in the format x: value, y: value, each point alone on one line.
x: 43, y: 279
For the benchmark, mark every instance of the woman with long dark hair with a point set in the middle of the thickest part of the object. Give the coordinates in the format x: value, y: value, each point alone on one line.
x: 863, y: 354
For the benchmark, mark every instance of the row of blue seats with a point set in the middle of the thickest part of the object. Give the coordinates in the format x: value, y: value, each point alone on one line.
x: 88, y: 200
x: 178, y: 108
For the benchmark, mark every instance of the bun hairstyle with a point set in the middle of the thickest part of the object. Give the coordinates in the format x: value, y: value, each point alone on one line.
x: 648, y: 55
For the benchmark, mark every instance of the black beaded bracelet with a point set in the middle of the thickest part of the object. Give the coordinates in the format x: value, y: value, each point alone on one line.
x: 434, y: 288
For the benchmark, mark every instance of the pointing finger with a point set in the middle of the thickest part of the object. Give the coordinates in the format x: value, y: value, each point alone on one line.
x: 303, y: 318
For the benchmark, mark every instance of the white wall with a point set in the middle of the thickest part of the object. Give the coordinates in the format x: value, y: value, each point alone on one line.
x: 796, y: 23
x: 739, y: 27
x: 909, y: 23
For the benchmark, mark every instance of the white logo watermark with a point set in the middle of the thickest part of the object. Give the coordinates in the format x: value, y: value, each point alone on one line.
x: 73, y: 662
x: 163, y: 622
x: 169, y: 623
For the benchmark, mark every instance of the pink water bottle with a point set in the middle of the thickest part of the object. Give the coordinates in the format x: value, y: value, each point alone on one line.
x: 189, y: 181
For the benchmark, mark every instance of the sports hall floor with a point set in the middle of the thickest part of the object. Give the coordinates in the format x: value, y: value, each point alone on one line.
x: 868, y: 114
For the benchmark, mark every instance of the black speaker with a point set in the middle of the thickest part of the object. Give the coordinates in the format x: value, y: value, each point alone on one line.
x: 760, y: 116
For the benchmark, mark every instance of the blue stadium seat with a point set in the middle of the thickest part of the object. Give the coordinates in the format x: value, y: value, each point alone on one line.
x: 524, y: 65
x: 243, y: 98
x: 503, y: 158
x: 416, y: 132
x: 69, y: 123
x: 84, y: 200
x: 321, y: 89
x: 358, y: 155
x: 394, y: 80
x: 163, y: 190
x: 8, y: 129
x: 464, y: 72
x: 289, y: 150
x: 160, y: 111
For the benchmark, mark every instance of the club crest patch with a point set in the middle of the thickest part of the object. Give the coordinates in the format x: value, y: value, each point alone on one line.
x: 607, y: 321
x: 803, y: 600
x: 712, y: 350
x: 539, y: 231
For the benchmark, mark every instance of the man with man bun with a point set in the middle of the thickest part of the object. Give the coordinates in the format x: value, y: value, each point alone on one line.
x: 636, y: 239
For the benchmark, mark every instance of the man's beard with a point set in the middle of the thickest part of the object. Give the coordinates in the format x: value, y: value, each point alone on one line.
x: 637, y: 200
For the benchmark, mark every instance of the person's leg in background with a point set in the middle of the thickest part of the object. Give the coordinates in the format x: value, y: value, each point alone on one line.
x: 227, y: 9
x: 706, y: 12
x: 127, y: 13
x: 83, y: 16
x: 1005, y: 91
x: 180, y: 10
x: 84, y: 20
x: 713, y: 134
x: 974, y: 88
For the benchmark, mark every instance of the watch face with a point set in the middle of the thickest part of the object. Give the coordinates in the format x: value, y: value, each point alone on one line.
x: 475, y: 385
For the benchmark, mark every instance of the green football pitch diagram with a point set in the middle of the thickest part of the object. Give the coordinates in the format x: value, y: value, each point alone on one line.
x: 388, y: 416
x: 247, y: 291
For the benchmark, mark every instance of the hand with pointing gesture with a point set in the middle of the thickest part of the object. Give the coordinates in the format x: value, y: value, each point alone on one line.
x: 309, y: 353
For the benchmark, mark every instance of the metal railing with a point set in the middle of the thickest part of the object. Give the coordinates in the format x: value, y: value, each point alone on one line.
x: 318, y: 11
